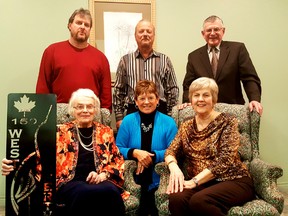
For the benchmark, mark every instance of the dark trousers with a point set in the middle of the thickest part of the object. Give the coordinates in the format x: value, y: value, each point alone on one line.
x: 81, y: 198
x: 213, y: 198
x: 161, y: 108
x: 147, y: 202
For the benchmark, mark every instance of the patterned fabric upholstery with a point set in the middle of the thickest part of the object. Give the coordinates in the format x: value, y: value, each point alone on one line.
x: 132, y: 203
x: 270, y: 201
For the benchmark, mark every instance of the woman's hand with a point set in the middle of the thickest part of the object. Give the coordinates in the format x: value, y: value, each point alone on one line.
x: 7, y: 166
x: 95, y: 178
x: 189, y: 184
x: 176, y: 179
x: 144, y: 159
x: 140, y: 168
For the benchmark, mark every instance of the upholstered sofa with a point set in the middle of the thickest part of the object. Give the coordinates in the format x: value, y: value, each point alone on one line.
x: 104, y: 117
x: 269, y: 200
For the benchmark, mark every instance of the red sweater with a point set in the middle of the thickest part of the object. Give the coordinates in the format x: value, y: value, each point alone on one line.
x: 64, y: 69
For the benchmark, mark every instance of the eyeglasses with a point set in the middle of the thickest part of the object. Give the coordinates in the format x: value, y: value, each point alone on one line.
x: 216, y: 30
x: 81, y: 107
x: 143, y: 99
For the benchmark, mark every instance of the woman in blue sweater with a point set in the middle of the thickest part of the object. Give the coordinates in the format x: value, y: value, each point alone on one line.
x: 144, y: 136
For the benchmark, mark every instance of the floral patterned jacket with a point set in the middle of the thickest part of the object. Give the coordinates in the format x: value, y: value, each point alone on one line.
x: 107, y: 157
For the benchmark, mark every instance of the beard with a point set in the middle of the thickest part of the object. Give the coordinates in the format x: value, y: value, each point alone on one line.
x: 80, y: 37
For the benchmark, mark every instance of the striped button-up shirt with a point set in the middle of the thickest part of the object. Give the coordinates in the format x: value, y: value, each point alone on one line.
x: 132, y: 68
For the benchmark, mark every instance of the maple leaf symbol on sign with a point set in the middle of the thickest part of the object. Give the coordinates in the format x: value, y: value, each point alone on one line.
x: 24, y: 105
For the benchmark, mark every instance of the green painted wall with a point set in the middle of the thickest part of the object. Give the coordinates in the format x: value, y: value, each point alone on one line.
x: 28, y: 27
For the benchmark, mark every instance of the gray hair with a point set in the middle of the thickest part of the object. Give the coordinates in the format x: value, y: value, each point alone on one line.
x: 82, y: 92
x: 144, y: 20
x: 204, y: 82
x: 213, y: 18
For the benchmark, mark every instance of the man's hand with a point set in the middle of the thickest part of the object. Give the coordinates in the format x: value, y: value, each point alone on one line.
x: 258, y: 107
x: 182, y: 106
x: 118, y: 123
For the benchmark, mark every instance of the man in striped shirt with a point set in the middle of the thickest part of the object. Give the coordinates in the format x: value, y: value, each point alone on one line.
x: 144, y: 64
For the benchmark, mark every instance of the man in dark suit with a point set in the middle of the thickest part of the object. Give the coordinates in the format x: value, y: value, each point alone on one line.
x: 233, y: 67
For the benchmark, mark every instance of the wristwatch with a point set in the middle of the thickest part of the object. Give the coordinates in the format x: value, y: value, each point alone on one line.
x: 195, y: 180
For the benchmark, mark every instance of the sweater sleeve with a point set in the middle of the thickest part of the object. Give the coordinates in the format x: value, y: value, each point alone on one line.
x: 123, y: 137
x: 166, y: 136
x: 44, y: 80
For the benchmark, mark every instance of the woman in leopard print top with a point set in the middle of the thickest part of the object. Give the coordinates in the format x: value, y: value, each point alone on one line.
x: 215, y: 178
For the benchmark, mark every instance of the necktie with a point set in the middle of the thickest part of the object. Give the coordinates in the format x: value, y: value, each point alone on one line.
x: 214, y: 61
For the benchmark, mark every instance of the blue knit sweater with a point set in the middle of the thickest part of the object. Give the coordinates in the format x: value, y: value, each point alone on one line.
x: 129, y: 136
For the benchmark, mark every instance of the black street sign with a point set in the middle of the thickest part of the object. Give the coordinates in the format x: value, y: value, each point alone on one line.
x: 31, y: 144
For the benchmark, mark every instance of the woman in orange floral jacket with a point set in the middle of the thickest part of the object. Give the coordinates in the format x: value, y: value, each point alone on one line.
x: 89, y: 166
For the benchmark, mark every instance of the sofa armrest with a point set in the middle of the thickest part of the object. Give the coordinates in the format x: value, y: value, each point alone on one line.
x: 265, y: 178
x: 129, y: 183
x: 160, y: 195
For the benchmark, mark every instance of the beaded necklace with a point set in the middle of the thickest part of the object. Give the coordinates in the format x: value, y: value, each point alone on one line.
x: 88, y: 147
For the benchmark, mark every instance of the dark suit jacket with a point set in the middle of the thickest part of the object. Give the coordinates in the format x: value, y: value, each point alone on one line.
x: 234, y: 67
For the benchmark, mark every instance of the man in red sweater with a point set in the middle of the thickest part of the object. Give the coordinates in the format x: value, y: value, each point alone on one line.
x: 72, y: 64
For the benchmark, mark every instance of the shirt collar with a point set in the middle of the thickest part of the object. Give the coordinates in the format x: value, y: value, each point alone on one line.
x: 217, y: 47
x: 138, y: 54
